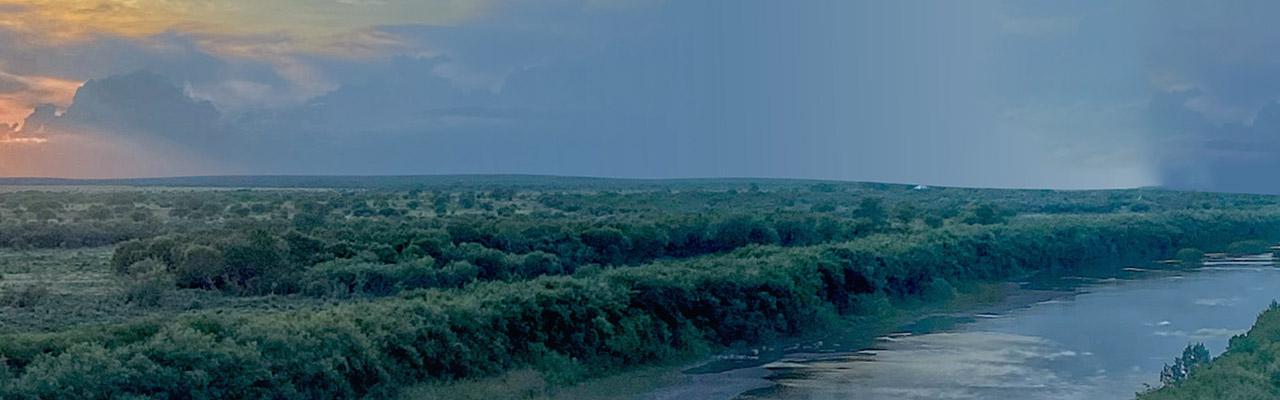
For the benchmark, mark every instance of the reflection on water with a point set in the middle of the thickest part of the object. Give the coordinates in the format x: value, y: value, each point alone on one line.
x: 959, y: 365
x: 1104, y: 343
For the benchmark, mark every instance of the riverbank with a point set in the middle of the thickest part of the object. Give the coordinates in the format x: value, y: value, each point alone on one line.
x: 734, y: 371
x: 731, y: 373
x: 1246, y: 370
x: 1005, y: 332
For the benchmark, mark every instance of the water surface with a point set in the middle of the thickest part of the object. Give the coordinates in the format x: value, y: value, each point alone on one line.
x: 1105, y: 341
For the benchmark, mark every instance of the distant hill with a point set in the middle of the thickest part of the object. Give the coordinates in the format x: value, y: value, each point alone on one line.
x: 438, y: 182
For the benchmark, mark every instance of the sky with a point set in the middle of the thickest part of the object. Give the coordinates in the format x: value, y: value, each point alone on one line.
x: 987, y: 93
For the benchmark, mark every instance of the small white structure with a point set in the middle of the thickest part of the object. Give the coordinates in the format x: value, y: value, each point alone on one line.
x: 921, y: 187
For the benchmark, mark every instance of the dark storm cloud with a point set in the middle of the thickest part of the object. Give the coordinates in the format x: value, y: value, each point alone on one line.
x: 1214, y: 117
x: 142, y: 105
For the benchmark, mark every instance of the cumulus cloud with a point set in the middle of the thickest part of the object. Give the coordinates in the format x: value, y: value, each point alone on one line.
x: 19, y: 95
x: 240, y: 89
x: 140, y: 124
x: 141, y: 103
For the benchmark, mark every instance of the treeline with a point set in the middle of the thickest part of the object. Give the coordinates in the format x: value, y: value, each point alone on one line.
x: 1248, y: 369
x: 370, y: 258
x: 79, y: 218
x: 89, y: 234
x: 591, y: 321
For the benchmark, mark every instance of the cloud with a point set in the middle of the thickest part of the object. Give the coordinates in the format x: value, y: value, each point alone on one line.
x: 223, y: 51
x: 1195, y: 151
x: 141, y: 103
x: 292, y: 83
x: 26, y: 92
x: 1213, y: 116
x: 822, y: 89
x: 62, y: 21
x: 140, y: 124
x: 11, y: 84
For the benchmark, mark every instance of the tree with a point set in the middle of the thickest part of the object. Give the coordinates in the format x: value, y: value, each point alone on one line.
x: 823, y: 188
x: 257, y: 262
x: 741, y: 231
x: 905, y: 211
x: 872, y: 208
x: 1193, y: 356
x: 984, y: 214
x: 99, y: 212
x: 609, y: 243
x: 797, y: 232
x: 200, y: 267
x: 933, y: 221
x: 467, y: 200
x: 306, y: 221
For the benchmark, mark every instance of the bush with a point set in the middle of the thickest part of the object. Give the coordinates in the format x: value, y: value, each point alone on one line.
x: 257, y: 263
x: 128, y: 253
x: 933, y: 221
x: 26, y: 296
x: 938, y: 290
x: 345, y: 278
x: 1247, y: 247
x: 200, y: 267
x: 1189, y: 257
x: 148, y: 283
x: 742, y: 231
x: 984, y: 214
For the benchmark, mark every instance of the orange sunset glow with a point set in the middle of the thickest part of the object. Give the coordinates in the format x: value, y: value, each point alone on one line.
x: 75, y: 20
x: 245, y: 29
x: 17, y: 105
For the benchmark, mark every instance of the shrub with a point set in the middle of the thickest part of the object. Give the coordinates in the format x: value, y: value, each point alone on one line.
x: 933, y: 221
x: 938, y: 290
x: 540, y: 263
x: 1189, y: 257
x: 200, y: 267
x: 128, y: 253
x: 1247, y: 247
x: 26, y: 296
x: 148, y: 283
x: 984, y: 214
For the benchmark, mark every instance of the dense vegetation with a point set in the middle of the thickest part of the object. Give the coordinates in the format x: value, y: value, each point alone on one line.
x: 389, y: 287
x: 1248, y: 369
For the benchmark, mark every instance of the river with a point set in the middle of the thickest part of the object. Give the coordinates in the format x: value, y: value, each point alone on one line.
x: 1098, y: 339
